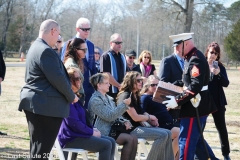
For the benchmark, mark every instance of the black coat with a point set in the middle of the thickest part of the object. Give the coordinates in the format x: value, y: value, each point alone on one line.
x: 2, y: 66
x: 195, y: 76
x: 47, y: 90
x: 216, y: 87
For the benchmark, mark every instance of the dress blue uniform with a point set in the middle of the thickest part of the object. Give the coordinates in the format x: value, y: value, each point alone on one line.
x: 195, y: 78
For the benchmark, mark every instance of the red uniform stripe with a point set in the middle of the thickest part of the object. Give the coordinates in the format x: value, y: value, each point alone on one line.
x: 188, y: 138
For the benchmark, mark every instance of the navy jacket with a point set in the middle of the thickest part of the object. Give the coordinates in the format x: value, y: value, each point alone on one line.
x: 216, y: 87
x: 170, y: 70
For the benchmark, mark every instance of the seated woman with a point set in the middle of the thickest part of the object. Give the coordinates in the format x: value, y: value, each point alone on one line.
x: 77, y: 132
x: 159, y: 110
x: 103, y: 106
x: 162, y: 145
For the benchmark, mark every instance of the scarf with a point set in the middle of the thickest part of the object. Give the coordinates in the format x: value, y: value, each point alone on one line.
x: 145, y: 69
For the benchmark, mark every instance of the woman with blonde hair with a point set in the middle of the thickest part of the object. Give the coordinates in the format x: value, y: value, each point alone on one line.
x: 104, y: 108
x: 146, y: 67
x: 162, y: 145
x: 159, y: 110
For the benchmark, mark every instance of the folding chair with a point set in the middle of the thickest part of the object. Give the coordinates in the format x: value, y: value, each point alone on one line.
x: 57, y: 147
x: 142, y: 148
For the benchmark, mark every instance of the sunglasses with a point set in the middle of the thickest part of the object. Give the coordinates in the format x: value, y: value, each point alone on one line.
x: 82, y: 49
x: 131, y: 57
x: 118, y: 43
x: 139, y: 80
x: 147, y: 57
x: 153, y: 85
x: 59, y: 41
x: 99, y: 79
x: 96, y: 53
x: 85, y: 29
x: 214, y: 53
x: 76, y: 79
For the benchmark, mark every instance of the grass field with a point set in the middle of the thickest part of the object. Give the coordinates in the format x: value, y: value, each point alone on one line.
x: 13, y: 122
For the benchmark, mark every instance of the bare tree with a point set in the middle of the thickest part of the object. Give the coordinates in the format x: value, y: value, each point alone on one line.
x: 7, y: 19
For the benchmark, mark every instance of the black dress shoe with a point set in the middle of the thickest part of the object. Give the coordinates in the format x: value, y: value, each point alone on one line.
x: 227, y: 157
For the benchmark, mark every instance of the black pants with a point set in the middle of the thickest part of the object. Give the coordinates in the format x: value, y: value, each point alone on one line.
x: 219, y: 120
x: 175, y: 116
x: 43, y: 131
x: 104, y: 145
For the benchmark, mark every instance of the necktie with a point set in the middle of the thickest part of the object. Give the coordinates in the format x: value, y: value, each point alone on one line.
x: 182, y: 63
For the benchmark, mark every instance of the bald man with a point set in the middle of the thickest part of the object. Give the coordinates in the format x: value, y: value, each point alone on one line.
x: 114, y: 63
x: 47, y: 94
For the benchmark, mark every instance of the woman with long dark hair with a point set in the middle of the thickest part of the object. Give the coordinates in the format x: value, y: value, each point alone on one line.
x: 162, y: 145
x: 75, y: 52
x: 218, y: 80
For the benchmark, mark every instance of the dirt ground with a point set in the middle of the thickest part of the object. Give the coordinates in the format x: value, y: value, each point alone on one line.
x: 15, y: 145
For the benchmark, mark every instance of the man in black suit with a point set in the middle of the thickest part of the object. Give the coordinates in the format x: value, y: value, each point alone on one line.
x: 47, y: 94
x: 2, y: 75
x: 2, y: 69
x: 171, y: 70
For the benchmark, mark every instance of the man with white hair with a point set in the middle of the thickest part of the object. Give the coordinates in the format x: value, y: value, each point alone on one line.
x: 47, y: 94
x: 83, y: 30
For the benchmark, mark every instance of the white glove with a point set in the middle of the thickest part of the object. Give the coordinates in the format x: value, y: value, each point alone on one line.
x: 170, y: 103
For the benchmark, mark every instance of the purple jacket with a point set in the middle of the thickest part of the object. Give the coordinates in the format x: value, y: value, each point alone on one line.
x: 74, y: 126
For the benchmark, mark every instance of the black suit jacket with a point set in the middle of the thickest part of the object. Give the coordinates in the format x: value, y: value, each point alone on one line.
x: 47, y: 90
x: 215, y: 87
x: 170, y: 69
x: 2, y: 66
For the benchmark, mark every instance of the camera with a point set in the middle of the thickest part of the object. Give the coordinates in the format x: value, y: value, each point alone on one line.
x: 215, y: 64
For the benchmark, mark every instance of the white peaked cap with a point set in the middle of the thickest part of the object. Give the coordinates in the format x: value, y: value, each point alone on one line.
x: 177, y: 39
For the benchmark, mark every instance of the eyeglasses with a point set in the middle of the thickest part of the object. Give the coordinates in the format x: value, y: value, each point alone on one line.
x: 131, y: 57
x: 147, y: 57
x: 96, y: 53
x: 153, y: 85
x: 118, y: 43
x: 76, y: 79
x: 85, y: 29
x: 82, y: 49
x: 139, y: 80
x: 214, y: 53
x: 59, y: 41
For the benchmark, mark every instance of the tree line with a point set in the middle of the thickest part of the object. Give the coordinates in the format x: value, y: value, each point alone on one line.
x: 143, y: 24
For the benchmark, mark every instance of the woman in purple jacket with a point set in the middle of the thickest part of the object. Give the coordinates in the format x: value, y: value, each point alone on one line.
x: 77, y: 132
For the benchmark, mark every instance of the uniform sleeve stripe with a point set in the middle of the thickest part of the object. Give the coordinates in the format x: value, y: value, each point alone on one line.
x: 188, y: 139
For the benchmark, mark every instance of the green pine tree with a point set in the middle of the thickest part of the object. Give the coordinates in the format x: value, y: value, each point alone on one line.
x: 232, y: 42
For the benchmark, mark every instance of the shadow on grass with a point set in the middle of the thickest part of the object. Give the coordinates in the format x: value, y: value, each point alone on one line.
x: 13, y: 137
